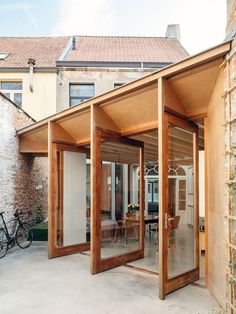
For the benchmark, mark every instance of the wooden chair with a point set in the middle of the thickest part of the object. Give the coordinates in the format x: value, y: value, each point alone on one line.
x: 120, y: 229
x: 131, y: 222
x: 173, y: 225
x: 153, y: 228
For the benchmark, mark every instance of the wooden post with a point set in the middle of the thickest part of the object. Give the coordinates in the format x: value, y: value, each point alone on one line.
x: 50, y: 191
x: 206, y: 199
x: 95, y: 227
x: 163, y: 189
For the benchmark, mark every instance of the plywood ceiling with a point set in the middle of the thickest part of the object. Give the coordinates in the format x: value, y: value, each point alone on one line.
x: 194, y: 87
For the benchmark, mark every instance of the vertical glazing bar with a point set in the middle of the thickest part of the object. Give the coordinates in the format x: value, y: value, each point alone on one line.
x: 142, y: 202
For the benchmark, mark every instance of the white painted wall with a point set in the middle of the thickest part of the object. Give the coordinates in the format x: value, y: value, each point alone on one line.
x: 40, y: 103
x: 74, y: 202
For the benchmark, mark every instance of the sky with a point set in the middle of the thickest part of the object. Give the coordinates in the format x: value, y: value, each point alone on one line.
x: 202, y: 22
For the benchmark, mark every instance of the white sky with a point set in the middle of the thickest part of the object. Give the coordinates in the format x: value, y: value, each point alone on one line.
x: 202, y: 22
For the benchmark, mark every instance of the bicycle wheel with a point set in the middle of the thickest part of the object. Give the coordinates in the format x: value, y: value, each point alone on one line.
x: 24, y: 235
x: 3, y: 243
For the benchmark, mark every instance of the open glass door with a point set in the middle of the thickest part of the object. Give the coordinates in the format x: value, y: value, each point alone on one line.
x: 180, y: 228
x: 118, y: 235
x: 69, y: 230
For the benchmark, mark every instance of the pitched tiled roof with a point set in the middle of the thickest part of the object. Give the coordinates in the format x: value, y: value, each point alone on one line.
x: 45, y: 50
x: 127, y: 49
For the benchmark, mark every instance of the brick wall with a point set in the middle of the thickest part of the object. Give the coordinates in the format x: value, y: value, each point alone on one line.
x: 23, y: 178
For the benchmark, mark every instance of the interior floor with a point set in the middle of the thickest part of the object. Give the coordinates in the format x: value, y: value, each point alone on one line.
x: 180, y: 252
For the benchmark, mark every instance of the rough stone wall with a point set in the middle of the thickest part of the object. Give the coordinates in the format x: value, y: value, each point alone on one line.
x: 231, y: 16
x: 23, y: 178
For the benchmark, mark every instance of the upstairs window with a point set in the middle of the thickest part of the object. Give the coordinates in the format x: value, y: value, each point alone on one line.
x: 80, y: 93
x: 12, y: 90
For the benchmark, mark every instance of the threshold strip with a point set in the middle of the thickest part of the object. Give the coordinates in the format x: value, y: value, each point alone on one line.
x: 198, y: 285
x: 84, y: 253
x: 150, y: 272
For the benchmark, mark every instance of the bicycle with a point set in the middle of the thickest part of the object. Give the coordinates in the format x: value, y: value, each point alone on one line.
x: 21, y: 234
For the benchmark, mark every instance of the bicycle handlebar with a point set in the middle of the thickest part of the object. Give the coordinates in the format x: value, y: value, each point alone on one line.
x: 17, y: 213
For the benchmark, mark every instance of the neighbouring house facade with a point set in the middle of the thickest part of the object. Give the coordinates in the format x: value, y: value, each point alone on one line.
x: 46, y: 75
x: 28, y: 73
x: 94, y: 65
x: 23, y: 183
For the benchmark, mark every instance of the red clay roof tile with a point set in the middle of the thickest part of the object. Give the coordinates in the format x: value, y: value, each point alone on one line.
x: 45, y: 50
x: 127, y: 49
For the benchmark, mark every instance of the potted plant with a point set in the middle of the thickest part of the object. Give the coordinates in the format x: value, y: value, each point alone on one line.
x: 133, y: 207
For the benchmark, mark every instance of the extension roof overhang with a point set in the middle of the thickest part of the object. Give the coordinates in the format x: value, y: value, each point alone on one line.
x: 186, y: 90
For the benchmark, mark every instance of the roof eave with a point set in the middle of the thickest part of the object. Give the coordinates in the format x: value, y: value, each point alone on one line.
x: 184, y: 65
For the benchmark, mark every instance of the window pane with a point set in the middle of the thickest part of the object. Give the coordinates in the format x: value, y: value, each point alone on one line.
x: 119, y: 225
x: 82, y: 90
x: 7, y: 95
x: 75, y: 101
x: 182, y: 226
x: 11, y: 85
x: 73, y: 223
x: 18, y: 99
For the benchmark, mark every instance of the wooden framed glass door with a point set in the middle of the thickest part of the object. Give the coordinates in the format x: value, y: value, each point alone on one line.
x: 117, y: 235
x: 179, y: 235
x: 68, y: 221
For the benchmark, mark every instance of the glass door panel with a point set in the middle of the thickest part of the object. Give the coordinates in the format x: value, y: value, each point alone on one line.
x: 179, y: 228
x: 71, y: 211
x: 181, y: 232
x: 118, y: 227
x: 119, y: 224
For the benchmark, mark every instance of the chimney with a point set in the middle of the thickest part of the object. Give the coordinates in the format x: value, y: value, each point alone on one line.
x: 73, y: 43
x: 173, y: 31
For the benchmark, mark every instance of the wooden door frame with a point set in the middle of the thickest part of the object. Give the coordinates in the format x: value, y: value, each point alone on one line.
x: 168, y: 285
x: 97, y: 263
x: 57, y: 149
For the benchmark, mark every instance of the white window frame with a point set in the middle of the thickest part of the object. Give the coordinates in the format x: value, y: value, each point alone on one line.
x: 11, y: 92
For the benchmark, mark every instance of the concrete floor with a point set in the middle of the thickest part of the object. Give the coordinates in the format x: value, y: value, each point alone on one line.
x: 33, y: 284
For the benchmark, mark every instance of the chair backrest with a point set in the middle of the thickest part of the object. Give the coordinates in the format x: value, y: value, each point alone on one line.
x: 175, y: 222
x: 130, y: 215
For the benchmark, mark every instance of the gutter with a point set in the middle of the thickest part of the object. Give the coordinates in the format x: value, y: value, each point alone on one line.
x: 111, y: 64
x: 26, y: 69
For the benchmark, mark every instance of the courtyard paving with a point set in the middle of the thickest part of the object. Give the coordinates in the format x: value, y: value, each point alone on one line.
x: 30, y: 283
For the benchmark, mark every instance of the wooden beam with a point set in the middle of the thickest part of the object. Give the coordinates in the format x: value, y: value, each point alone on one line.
x: 59, y: 134
x: 31, y: 145
x: 171, y: 100
x: 103, y: 121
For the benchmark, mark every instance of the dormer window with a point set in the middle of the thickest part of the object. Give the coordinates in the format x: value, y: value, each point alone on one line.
x: 3, y: 55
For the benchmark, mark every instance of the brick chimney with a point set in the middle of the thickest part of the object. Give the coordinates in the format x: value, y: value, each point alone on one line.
x: 231, y: 19
x: 173, y: 31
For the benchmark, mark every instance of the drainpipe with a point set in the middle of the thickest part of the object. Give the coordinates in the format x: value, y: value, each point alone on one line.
x: 31, y: 63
